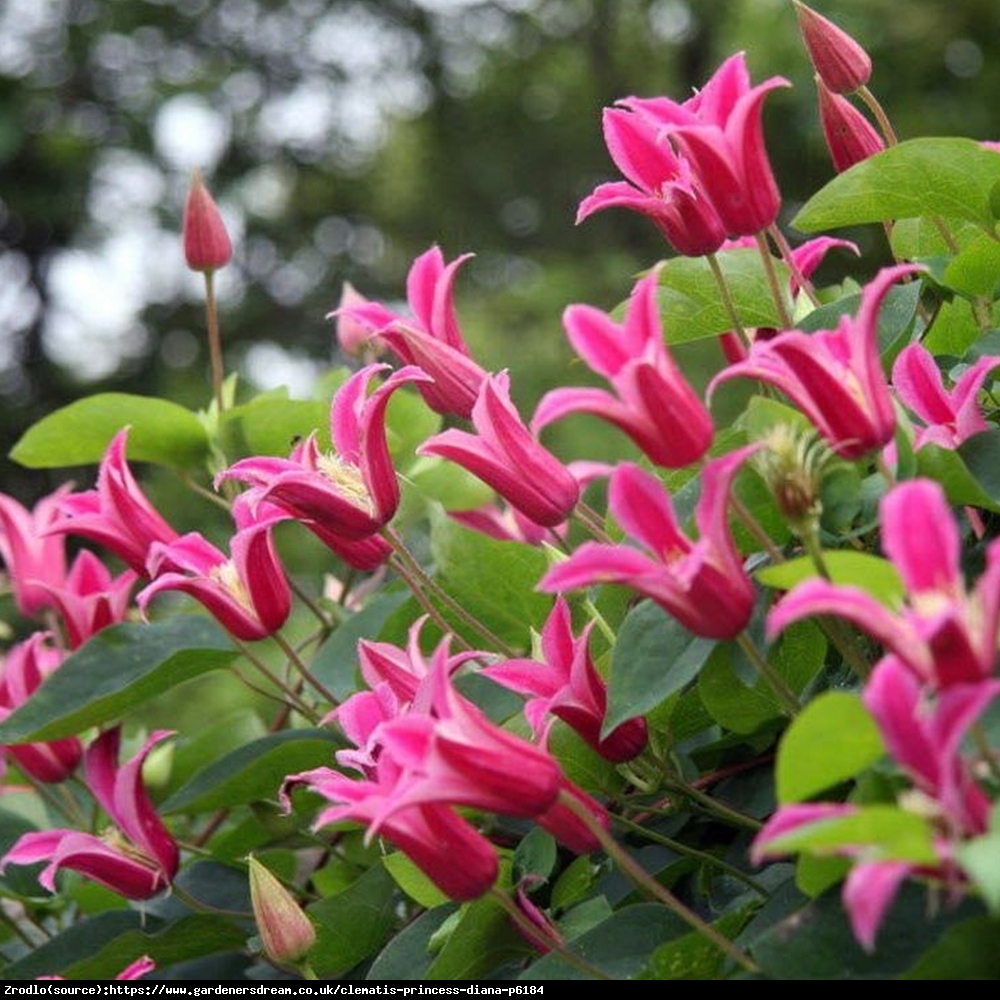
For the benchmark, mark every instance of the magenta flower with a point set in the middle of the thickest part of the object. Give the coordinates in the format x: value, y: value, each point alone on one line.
x: 658, y: 184
x: 91, y: 598
x: 117, y: 514
x: 949, y: 417
x: 137, y: 859
x: 924, y: 736
x: 432, y: 339
x: 350, y: 493
x: 850, y: 137
x: 700, y: 583
x: 720, y: 132
x: 25, y: 667
x: 207, y: 245
x: 565, y: 684
x: 134, y: 970
x: 248, y: 593
x: 944, y: 633
x: 34, y: 557
x: 834, y: 376
x: 652, y: 402
x: 840, y: 62
x: 504, y: 454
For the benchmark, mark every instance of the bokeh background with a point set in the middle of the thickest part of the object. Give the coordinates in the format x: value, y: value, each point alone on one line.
x: 344, y: 137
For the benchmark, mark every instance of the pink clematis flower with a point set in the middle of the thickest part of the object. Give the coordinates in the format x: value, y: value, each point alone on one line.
x: 432, y: 339
x: 135, y: 970
x: 506, y: 455
x: 720, y: 132
x: 700, y: 583
x: 659, y: 184
x: 924, y: 736
x: 91, y: 598
x: 35, y: 558
x: 117, y: 514
x: 944, y: 633
x: 25, y: 667
x: 137, y: 859
x: 351, y: 493
x: 834, y: 376
x: 248, y: 593
x: 565, y: 684
x: 949, y: 417
x: 652, y: 402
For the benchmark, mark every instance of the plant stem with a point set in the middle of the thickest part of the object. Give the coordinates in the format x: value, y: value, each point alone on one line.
x: 885, y: 127
x: 786, y: 255
x: 654, y: 889
x: 295, y: 660
x: 727, y: 298
x: 214, y: 338
x: 772, y: 281
x: 287, y: 691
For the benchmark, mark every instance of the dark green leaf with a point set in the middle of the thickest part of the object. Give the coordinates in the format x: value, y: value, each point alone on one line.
x: 408, y: 955
x: 254, y: 771
x: 964, y: 951
x: 967, y: 475
x: 119, y: 669
x: 654, y: 657
x: 352, y: 925
x: 79, y: 434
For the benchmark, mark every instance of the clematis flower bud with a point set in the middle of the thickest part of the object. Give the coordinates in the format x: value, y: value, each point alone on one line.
x: 850, y: 137
x: 285, y: 931
x: 207, y: 246
x: 841, y: 63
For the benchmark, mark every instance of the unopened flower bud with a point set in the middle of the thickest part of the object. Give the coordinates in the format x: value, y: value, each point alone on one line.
x: 842, y: 64
x: 286, y: 932
x: 850, y: 137
x: 207, y: 246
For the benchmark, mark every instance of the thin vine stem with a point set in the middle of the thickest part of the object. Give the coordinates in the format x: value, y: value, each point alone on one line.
x: 772, y: 281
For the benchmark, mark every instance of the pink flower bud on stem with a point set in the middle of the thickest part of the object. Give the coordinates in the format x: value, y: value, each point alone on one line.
x: 286, y: 932
x: 841, y: 63
x: 207, y: 247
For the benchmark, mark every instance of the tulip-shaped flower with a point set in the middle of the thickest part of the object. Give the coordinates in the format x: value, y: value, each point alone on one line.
x: 248, y: 594
x: 720, y: 132
x: 35, y: 558
x: 431, y: 339
x: 924, y: 736
x: 138, y: 858
x: 701, y: 583
x: 652, y: 401
x: 207, y: 246
x: 564, y: 683
x: 353, y: 491
x: 91, y: 598
x: 944, y: 633
x: 117, y: 514
x: 950, y: 417
x: 504, y: 454
x: 850, y: 137
x: 25, y: 667
x: 659, y: 184
x: 834, y: 376
x: 840, y: 62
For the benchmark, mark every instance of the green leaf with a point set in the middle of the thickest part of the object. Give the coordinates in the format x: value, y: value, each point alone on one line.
x: 79, y: 434
x: 493, y: 580
x: 654, y: 657
x: 119, y: 669
x: 968, y: 475
x: 980, y: 859
x: 692, y: 307
x: 693, y: 956
x: 875, y: 575
x: 965, y: 951
x: 975, y: 269
x: 619, y: 946
x: 831, y: 740
x: 271, y: 423
x: 413, y: 881
x: 408, y: 955
x: 352, y: 925
x: 948, y: 177
x: 253, y: 772
x: 885, y: 831
x: 481, y: 941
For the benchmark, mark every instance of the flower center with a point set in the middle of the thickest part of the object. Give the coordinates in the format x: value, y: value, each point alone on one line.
x: 347, y: 478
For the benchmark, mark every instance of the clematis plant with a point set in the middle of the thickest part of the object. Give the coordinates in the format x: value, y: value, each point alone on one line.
x: 450, y: 702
